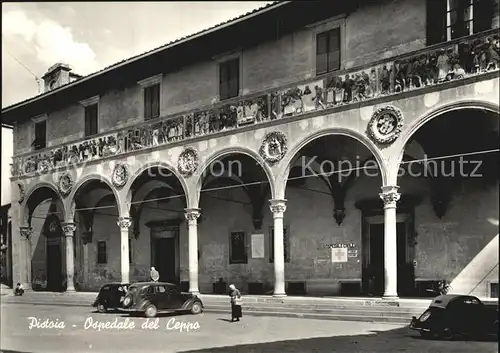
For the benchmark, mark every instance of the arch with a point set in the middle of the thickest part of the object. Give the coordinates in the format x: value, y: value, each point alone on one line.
x: 95, y: 177
x: 164, y: 165
x: 234, y: 150
x: 25, y: 216
x: 325, y: 132
x: 443, y: 109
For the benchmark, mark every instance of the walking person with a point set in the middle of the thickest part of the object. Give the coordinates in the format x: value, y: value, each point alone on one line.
x: 236, y: 302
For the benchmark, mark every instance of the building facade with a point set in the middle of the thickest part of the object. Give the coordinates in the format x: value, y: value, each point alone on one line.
x: 303, y: 148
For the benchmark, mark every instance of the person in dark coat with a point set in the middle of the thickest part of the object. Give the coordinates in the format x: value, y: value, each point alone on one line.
x: 19, y: 290
x: 236, y: 302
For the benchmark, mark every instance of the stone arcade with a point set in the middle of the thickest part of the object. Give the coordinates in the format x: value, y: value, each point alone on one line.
x: 375, y: 178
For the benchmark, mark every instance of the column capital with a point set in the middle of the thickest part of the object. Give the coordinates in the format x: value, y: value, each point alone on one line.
x: 26, y: 232
x: 277, y: 206
x: 124, y: 222
x: 68, y: 228
x: 390, y: 196
x: 192, y: 214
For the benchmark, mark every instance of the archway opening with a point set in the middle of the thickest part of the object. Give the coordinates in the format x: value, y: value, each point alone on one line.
x: 234, y: 223
x: 97, y: 237
x: 451, y: 162
x: 157, y: 237
x: 333, y: 224
x: 44, y: 212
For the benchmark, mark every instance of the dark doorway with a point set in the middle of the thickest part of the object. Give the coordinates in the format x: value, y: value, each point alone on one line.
x: 165, y: 252
x: 54, y: 266
x: 374, y: 272
x: 165, y: 259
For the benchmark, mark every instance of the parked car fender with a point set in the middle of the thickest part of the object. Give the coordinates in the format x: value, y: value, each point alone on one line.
x: 141, y: 306
x: 189, y: 303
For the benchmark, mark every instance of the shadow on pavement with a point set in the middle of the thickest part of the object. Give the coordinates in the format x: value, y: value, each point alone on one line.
x: 226, y: 320
x: 376, y: 341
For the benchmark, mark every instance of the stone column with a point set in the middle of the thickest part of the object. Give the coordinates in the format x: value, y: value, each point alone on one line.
x: 390, y: 196
x: 69, y: 231
x: 124, y: 223
x: 192, y: 215
x: 278, y: 208
x: 25, y: 257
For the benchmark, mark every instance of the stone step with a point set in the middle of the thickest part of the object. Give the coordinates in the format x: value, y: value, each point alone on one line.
x: 349, y: 311
x: 295, y: 305
x: 331, y: 316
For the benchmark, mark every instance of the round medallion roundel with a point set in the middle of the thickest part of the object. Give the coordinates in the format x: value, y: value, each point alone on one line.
x: 188, y: 162
x: 274, y: 147
x: 120, y: 175
x: 385, y: 125
x: 65, y: 184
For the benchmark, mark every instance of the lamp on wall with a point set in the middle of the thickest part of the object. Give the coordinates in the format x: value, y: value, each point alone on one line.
x: 339, y: 215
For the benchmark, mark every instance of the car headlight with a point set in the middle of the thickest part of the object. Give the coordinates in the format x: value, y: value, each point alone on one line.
x: 425, y: 316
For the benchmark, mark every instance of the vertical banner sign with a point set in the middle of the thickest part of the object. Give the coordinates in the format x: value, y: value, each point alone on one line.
x: 257, y: 246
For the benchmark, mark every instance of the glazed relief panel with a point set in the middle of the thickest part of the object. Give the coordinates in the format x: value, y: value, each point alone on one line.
x: 463, y: 58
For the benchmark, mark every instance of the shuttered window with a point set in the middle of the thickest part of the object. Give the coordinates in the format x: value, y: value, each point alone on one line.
x: 152, y: 102
x: 328, y: 51
x: 237, y: 248
x: 91, y: 120
x: 40, y: 135
x: 229, y: 79
x: 101, y: 252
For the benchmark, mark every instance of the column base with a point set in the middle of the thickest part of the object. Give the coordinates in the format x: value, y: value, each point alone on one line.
x: 279, y: 295
x: 390, y: 297
x: 194, y: 292
x: 70, y: 290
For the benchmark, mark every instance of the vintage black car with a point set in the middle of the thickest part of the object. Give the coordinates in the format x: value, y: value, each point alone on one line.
x: 110, y: 296
x: 149, y: 298
x: 449, y: 316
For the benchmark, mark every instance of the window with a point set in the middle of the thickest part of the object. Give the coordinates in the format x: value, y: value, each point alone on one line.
x: 237, y: 248
x: 493, y: 290
x: 229, y: 79
x: 451, y: 19
x: 152, y: 101
x: 101, y: 252
x: 40, y: 135
x: 91, y: 116
x: 328, y: 51
x: 286, y: 244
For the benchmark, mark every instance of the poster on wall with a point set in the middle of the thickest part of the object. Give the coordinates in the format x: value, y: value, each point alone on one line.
x: 339, y: 255
x: 257, y: 246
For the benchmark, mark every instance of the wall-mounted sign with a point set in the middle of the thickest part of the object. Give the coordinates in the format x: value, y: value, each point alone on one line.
x: 352, y: 253
x: 257, y: 246
x: 339, y: 254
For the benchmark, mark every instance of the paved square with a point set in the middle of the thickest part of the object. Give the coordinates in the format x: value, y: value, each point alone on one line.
x: 85, y: 331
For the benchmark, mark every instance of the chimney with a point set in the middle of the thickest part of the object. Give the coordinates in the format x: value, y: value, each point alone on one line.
x: 59, y: 75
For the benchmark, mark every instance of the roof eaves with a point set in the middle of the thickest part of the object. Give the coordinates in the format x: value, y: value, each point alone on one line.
x: 184, y: 39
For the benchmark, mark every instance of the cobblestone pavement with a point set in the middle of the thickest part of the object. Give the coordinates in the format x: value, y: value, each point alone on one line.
x: 206, y: 333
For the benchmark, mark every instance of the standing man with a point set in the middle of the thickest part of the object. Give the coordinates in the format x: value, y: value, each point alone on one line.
x: 155, y: 275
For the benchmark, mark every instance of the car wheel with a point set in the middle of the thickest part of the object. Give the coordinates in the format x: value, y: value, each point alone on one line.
x: 150, y: 311
x: 196, y: 308
x: 101, y: 308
